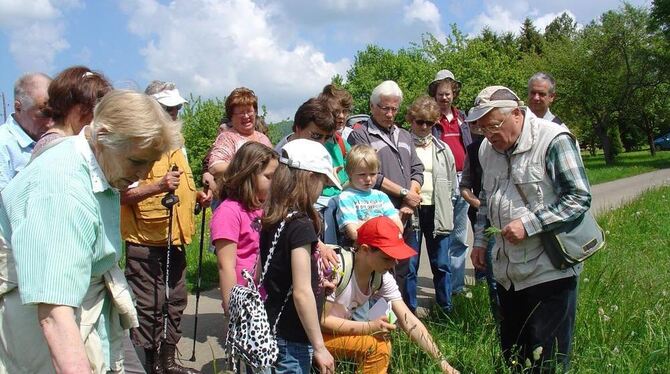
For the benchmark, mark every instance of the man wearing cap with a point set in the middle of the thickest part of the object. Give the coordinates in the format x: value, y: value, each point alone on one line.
x: 23, y: 127
x: 541, y: 94
x: 379, y: 246
x: 533, y: 180
x: 453, y: 130
x: 401, y: 171
x: 144, y: 226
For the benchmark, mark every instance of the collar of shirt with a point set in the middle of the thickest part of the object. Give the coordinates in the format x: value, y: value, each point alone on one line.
x: 382, y: 129
x: 98, y: 180
x: 549, y: 116
x: 21, y: 136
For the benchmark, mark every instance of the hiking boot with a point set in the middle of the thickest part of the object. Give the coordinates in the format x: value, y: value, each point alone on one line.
x: 152, y: 364
x: 169, y: 366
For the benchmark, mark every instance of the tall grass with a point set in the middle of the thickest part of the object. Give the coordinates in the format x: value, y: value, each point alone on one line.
x: 623, y: 310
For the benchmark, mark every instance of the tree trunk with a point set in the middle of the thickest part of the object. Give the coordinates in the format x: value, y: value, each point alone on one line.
x: 650, y: 141
x: 601, y: 131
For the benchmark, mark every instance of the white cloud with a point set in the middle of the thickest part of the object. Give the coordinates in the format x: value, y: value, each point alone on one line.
x: 424, y: 11
x: 211, y: 47
x: 507, y: 16
x: 36, y: 31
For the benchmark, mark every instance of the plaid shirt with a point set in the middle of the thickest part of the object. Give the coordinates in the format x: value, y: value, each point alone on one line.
x: 566, y: 171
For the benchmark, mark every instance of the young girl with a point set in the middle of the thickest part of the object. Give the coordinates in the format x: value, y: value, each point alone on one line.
x: 294, y: 297
x: 236, y: 223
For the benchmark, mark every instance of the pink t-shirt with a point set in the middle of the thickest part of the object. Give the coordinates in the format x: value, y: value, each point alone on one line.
x: 232, y: 222
x: 229, y: 141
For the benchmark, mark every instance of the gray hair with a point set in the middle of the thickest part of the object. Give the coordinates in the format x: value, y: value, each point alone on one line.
x: 24, y: 88
x: 128, y: 118
x: 157, y: 86
x: 386, y: 88
x: 542, y: 76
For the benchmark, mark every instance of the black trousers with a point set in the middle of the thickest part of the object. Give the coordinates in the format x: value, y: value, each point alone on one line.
x: 145, y: 271
x: 538, y: 324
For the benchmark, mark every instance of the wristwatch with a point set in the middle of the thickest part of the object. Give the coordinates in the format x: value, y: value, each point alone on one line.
x: 403, y: 192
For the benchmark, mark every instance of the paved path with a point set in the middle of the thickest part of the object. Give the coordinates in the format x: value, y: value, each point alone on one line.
x: 210, y: 319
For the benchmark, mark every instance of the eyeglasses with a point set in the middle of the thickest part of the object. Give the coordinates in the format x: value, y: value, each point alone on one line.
x: 493, y: 129
x: 250, y: 113
x: 421, y: 122
x: 387, y: 109
x: 319, y: 137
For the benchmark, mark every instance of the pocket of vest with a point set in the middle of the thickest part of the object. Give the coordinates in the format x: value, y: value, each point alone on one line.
x: 151, y: 209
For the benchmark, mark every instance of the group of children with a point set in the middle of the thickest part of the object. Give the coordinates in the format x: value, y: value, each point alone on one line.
x: 261, y: 191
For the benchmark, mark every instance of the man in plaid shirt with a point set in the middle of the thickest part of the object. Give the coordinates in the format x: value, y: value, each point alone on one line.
x: 533, y: 179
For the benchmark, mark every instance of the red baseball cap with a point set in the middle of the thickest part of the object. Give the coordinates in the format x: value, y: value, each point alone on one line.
x: 381, y: 232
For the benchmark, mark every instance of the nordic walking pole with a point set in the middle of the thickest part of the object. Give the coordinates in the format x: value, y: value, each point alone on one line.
x: 168, y: 202
x: 197, y: 290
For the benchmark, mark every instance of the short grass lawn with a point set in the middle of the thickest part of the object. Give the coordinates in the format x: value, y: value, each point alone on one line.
x: 626, y: 165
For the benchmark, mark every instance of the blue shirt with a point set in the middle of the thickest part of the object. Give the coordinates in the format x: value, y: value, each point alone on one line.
x: 15, y: 150
x: 356, y: 206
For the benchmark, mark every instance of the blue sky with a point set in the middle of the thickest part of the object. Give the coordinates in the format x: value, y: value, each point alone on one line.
x: 285, y: 50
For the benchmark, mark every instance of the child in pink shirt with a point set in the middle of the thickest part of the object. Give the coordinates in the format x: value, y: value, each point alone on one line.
x: 236, y: 223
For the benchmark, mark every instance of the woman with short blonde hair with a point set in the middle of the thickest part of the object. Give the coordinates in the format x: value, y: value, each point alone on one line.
x: 69, y: 304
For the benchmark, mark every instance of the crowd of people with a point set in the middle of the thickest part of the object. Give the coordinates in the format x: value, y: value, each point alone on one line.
x: 89, y: 174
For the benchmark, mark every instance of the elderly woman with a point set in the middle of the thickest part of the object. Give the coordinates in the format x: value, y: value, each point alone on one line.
x: 72, y: 97
x: 65, y: 303
x: 440, y: 183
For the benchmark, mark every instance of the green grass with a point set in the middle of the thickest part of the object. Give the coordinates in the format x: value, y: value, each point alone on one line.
x: 622, y: 313
x: 626, y: 165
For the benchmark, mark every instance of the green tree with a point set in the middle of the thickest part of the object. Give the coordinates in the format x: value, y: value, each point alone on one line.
x: 201, y: 120
x: 530, y: 40
x: 562, y: 27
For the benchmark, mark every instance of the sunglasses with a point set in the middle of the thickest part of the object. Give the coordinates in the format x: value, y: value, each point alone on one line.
x: 318, y: 137
x: 172, y: 108
x: 421, y: 122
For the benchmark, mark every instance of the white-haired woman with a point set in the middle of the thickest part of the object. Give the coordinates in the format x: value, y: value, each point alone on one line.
x: 64, y: 303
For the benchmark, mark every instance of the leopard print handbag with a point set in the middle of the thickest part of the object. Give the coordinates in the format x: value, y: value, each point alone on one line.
x: 250, y: 338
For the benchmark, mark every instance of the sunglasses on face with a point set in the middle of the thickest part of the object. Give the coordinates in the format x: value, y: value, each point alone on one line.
x: 421, y: 122
x: 173, y: 108
x: 319, y: 137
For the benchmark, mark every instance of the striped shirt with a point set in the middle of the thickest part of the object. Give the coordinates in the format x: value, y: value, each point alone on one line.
x: 63, y: 218
x: 565, y: 169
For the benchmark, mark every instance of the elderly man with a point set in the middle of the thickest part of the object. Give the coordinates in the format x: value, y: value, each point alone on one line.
x: 25, y: 126
x: 455, y: 132
x: 144, y: 226
x: 528, y: 162
x: 400, y: 173
x: 541, y: 94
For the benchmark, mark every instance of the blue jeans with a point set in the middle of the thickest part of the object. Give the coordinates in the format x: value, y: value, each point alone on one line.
x: 294, y: 357
x: 458, y: 248
x: 438, y: 254
x: 404, y: 276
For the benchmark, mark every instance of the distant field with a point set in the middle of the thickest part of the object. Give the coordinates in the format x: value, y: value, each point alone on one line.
x: 626, y: 165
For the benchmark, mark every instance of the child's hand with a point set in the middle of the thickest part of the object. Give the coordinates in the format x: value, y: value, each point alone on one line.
x: 328, y: 256
x: 381, y: 326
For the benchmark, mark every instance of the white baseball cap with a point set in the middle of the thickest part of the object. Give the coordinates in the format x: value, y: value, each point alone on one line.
x: 305, y: 154
x: 169, y: 97
x: 487, y: 101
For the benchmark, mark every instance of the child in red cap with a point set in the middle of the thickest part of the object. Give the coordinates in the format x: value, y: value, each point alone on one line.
x: 379, y: 246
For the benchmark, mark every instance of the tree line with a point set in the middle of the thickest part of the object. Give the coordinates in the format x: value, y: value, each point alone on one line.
x: 613, y: 76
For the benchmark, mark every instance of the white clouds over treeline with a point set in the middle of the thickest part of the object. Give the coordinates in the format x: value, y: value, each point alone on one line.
x: 285, y: 50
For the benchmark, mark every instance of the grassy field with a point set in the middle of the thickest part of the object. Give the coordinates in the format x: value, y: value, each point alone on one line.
x: 622, y: 314
x: 626, y: 165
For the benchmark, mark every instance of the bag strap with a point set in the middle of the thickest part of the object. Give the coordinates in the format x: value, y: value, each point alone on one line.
x: 275, y: 240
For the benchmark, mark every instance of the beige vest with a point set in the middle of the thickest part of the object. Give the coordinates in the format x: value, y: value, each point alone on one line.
x: 525, y: 264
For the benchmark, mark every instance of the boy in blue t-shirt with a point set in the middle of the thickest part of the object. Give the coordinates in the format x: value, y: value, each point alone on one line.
x: 360, y: 202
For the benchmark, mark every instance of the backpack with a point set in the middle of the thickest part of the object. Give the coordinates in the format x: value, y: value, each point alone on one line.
x: 250, y: 337
x: 346, y: 270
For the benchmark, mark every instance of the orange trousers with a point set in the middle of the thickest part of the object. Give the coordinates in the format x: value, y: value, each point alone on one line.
x: 371, y: 354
